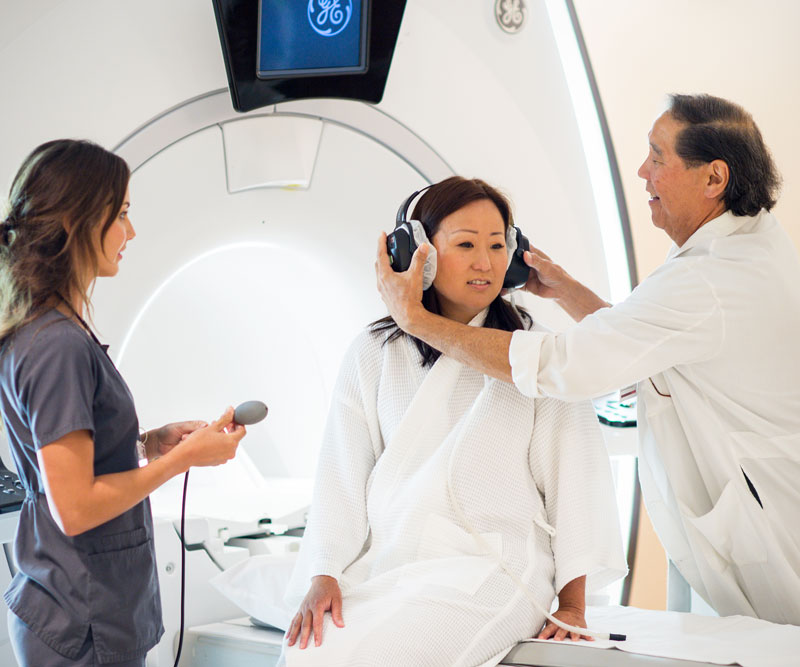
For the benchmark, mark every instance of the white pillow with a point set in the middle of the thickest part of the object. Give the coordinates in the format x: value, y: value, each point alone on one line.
x: 258, y: 585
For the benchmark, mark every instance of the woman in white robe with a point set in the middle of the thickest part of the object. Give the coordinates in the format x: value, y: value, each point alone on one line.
x: 419, y: 453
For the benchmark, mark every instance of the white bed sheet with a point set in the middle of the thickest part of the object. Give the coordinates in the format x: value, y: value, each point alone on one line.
x: 732, y: 640
x: 257, y: 586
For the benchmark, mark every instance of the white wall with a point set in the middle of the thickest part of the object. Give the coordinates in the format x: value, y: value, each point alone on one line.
x: 742, y: 50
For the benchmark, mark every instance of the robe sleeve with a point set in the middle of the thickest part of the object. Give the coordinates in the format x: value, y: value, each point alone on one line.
x: 674, y: 317
x: 337, y: 527
x: 570, y: 465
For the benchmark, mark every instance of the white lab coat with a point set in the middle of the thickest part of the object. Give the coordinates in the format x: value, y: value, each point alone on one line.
x: 418, y: 589
x: 713, y: 338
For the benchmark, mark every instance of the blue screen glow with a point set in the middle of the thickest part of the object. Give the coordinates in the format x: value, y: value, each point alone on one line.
x: 299, y: 37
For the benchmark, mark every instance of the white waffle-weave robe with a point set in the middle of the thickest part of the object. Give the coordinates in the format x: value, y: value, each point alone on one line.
x: 417, y: 589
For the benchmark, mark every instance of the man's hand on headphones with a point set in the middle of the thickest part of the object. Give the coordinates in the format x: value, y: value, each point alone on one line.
x: 547, y: 280
x: 401, y: 292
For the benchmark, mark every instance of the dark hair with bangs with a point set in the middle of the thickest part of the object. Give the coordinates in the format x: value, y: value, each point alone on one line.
x: 435, y: 205
x: 62, y: 185
x: 716, y: 129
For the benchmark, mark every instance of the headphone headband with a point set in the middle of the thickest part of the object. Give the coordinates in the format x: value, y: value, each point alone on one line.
x: 402, y: 212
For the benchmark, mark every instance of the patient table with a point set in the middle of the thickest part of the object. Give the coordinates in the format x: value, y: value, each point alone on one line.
x: 655, y: 639
x: 560, y: 654
x: 219, y: 644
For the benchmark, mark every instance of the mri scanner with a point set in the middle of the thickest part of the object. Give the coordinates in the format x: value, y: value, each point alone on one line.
x: 252, y: 267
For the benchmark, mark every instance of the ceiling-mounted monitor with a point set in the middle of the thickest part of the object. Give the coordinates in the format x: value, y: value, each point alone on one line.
x: 312, y: 38
x: 238, y: 24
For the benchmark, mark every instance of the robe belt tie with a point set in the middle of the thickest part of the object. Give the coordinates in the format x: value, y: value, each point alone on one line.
x: 546, y: 527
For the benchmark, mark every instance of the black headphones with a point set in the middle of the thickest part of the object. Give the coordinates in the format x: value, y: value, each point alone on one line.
x: 401, y: 246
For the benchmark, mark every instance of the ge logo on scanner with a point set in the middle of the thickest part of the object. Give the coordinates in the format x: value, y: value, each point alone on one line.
x: 329, y: 17
x: 510, y: 14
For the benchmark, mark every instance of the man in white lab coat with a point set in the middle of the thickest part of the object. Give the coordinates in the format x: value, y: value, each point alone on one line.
x: 713, y: 339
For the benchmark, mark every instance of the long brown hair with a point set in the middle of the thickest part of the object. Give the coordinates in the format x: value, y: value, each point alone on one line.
x: 62, y: 184
x: 444, y: 198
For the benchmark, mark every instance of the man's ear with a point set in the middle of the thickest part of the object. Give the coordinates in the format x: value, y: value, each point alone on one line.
x: 717, y: 180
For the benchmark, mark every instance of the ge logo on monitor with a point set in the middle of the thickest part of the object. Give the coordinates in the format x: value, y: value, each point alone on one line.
x: 329, y: 17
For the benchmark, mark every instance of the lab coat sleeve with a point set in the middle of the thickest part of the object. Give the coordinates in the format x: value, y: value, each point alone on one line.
x: 337, y: 525
x: 570, y: 466
x: 674, y: 317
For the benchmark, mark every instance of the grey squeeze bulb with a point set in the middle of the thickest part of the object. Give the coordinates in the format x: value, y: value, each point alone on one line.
x: 250, y: 412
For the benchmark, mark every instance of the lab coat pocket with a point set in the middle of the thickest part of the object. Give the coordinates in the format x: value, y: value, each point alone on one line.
x: 772, y: 467
x: 449, y: 556
x: 728, y: 530
x: 125, y: 605
x: 777, y: 482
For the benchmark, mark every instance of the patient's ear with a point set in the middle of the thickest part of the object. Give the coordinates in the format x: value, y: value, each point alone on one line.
x: 717, y: 179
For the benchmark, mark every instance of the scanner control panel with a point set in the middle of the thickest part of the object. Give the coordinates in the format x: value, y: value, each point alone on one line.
x: 11, y: 492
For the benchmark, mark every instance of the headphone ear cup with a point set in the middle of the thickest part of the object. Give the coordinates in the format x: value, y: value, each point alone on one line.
x: 401, y: 246
x: 511, y: 243
x: 518, y: 271
x: 420, y: 237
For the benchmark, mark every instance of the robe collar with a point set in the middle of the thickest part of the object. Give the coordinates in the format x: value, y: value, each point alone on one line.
x: 479, y: 319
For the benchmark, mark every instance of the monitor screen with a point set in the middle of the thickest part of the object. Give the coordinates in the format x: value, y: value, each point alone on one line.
x: 311, y: 37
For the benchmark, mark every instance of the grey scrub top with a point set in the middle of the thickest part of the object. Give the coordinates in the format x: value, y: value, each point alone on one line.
x: 55, y: 379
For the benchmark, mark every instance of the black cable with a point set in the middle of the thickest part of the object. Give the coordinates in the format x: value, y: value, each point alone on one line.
x: 183, y: 566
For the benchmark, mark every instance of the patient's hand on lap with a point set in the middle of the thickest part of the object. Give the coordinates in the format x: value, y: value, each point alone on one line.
x: 323, y: 596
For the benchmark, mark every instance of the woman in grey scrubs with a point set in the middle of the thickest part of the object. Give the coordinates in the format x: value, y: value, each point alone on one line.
x: 86, y: 591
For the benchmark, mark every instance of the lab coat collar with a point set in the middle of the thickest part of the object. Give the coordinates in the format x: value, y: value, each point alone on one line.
x: 722, y: 225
